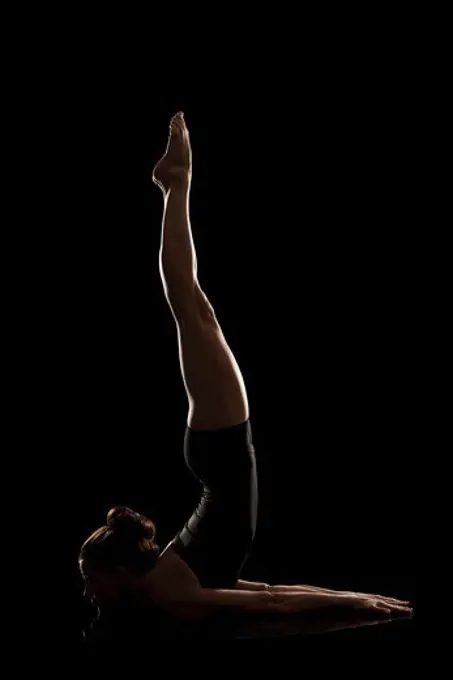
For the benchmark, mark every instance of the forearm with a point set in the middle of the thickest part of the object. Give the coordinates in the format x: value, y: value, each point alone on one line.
x: 251, y: 585
x: 300, y: 589
x: 259, y: 585
x: 264, y: 601
x: 239, y: 601
x: 177, y: 257
x: 299, y: 601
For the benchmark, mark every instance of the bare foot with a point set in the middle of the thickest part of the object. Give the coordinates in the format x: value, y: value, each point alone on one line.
x: 176, y: 163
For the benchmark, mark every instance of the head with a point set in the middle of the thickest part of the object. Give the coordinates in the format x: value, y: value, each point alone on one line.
x: 115, y: 559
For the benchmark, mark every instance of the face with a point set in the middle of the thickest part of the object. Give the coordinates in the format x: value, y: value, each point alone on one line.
x: 100, y: 586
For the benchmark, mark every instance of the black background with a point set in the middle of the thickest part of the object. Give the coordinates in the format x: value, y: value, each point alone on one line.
x: 303, y: 209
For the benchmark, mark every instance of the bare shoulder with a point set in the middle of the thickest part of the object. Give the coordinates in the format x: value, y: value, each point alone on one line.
x: 171, y: 578
x: 169, y: 559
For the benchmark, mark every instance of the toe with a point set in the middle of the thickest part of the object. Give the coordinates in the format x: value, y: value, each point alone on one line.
x: 176, y: 126
x: 177, y: 117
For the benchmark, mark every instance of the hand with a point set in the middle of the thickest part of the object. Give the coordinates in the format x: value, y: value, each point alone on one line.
x: 376, y: 603
x: 348, y: 593
x: 371, y: 596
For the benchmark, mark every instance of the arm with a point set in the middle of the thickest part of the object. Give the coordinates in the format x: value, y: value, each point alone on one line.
x: 259, y: 585
x: 179, y: 592
x: 251, y: 585
x: 212, y: 601
x: 277, y: 589
x: 199, y: 603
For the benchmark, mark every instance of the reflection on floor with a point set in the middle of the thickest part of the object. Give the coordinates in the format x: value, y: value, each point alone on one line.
x: 134, y: 630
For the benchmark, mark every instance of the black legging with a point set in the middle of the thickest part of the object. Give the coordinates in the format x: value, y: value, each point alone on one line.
x: 218, y: 537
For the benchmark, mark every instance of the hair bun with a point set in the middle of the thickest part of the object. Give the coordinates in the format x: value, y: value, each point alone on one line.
x: 129, y: 524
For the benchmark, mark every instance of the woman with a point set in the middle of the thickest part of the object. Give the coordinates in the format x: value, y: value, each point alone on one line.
x: 197, y: 574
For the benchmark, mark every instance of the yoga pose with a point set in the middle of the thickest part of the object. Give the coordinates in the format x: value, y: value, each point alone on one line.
x: 197, y: 574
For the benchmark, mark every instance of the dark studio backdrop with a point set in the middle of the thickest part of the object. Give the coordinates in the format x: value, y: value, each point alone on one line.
x: 302, y: 210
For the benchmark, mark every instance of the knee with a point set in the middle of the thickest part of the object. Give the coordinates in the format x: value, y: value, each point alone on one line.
x: 204, y: 307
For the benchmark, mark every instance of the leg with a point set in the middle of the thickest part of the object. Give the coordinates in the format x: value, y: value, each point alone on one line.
x: 212, y: 378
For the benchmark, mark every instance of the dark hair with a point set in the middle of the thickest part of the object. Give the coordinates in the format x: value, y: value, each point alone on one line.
x: 127, y: 541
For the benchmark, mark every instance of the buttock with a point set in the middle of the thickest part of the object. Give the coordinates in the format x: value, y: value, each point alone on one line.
x: 218, y: 537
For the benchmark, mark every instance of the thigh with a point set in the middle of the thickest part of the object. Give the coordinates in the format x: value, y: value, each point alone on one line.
x: 223, y: 459
x: 212, y: 378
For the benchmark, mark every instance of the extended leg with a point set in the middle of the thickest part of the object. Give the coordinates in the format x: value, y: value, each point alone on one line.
x: 212, y: 378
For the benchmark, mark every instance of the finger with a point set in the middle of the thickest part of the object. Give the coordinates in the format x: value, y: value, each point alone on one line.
x: 380, y: 607
x: 396, y: 607
x: 401, y: 608
x: 384, y: 598
x: 393, y: 600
